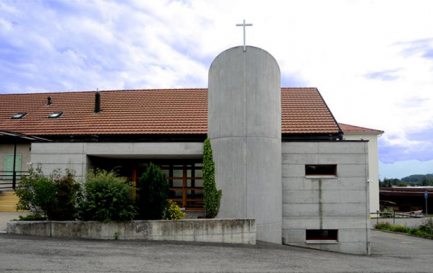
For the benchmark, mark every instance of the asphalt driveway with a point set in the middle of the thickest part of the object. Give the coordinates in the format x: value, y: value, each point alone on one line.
x: 391, y: 253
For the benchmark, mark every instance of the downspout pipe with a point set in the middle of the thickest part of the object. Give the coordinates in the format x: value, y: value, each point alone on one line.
x: 14, y: 173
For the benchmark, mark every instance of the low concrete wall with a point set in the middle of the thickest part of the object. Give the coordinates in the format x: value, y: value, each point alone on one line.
x: 409, y: 222
x: 233, y: 231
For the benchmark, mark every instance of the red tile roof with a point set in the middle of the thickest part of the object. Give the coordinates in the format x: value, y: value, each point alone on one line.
x: 352, y: 129
x: 151, y: 111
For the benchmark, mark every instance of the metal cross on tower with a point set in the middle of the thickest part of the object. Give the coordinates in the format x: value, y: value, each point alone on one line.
x: 244, y: 25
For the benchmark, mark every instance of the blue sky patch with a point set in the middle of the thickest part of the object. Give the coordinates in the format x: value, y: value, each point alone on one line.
x: 384, y: 75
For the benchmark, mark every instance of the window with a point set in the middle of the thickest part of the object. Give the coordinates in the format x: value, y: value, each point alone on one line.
x: 8, y: 164
x: 330, y: 235
x: 55, y: 115
x: 323, y: 169
x: 186, y: 183
x: 19, y: 115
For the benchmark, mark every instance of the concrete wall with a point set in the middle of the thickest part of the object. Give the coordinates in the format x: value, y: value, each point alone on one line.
x: 233, y: 231
x: 373, y: 166
x: 409, y: 222
x: 51, y: 156
x: 244, y: 127
x: 326, y: 202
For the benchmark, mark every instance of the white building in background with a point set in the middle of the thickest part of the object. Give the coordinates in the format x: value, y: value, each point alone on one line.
x: 352, y: 132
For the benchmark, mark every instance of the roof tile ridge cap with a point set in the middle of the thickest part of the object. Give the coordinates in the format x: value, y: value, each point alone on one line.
x: 297, y: 87
x: 157, y: 89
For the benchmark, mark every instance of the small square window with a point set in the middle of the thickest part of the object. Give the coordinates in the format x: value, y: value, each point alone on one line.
x: 18, y: 115
x: 321, y: 169
x: 321, y: 235
x: 55, y: 115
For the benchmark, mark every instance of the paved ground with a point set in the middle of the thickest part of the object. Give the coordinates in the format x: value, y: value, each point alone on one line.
x: 7, y: 216
x: 391, y: 253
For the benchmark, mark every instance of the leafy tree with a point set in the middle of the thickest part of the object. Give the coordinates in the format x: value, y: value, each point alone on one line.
x: 212, y: 196
x: 152, y: 193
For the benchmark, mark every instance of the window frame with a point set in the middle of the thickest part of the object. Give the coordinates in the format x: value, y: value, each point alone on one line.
x: 313, y: 236
x: 332, y: 173
x: 55, y: 114
x: 19, y: 115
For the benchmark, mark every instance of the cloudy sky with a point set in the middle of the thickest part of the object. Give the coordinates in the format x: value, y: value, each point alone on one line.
x: 371, y: 60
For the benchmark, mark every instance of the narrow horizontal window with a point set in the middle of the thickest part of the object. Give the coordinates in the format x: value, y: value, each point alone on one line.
x: 19, y: 115
x: 321, y: 235
x: 55, y: 115
x: 321, y: 169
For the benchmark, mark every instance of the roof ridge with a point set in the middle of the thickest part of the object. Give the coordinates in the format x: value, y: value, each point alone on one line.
x: 132, y: 90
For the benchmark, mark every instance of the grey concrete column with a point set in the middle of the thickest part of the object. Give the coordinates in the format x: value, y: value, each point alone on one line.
x: 245, y: 131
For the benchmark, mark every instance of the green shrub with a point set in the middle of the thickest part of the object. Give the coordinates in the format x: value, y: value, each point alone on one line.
x: 212, y: 196
x: 67, y: 192
x: 383, y: 226
x: 106, y: 197
x: 36, y: 193
x: 54, y: 196
x: 173, y: 211
x: 152, y: 193
x: 422, y: 231
x: 32, y: 217
x: 399, y: 228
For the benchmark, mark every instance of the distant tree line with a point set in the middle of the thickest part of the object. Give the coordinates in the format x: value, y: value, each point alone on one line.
x: 411, y: 180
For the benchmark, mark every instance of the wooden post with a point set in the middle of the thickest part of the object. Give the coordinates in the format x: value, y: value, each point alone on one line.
x: 184, y: 185
x: 134, y: 181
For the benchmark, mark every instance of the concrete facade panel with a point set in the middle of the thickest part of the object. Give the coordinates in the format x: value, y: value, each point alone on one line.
x: 327, y: 196
x: 300, y: 148
x: 244, y: 126
x: 325, y: 202
x: 352, y: 170
x: 57, y: 148
x: 342, y: 147
x: 323, y: 159
x: 230, y: 178
x: 145, y: 149
x: 74, y: 156
x: 60, y: 159
x: 293, y: 170
x: 350, y: 209
x: 335, y: 222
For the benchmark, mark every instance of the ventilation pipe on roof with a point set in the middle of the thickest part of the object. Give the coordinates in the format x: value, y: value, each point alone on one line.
x: 49, y: 101
x: 97, y: 102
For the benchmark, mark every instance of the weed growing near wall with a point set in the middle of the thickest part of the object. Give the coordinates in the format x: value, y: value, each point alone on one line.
x: 423, y: 231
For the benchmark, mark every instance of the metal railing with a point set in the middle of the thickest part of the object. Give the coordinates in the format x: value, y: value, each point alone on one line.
x: 10, y: 180
x: 396, y: 215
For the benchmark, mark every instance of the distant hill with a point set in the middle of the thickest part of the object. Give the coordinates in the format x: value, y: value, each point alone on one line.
x: 418, y: 179
x: 411, y: 180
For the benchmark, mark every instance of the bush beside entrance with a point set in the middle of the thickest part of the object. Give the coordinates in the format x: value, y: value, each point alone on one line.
x: 103, y: 197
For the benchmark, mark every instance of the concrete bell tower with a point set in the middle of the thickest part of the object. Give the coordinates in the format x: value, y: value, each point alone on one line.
x: 244, y: 126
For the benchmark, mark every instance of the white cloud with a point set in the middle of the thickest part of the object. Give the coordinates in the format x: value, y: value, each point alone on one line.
x: 333, y: 45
